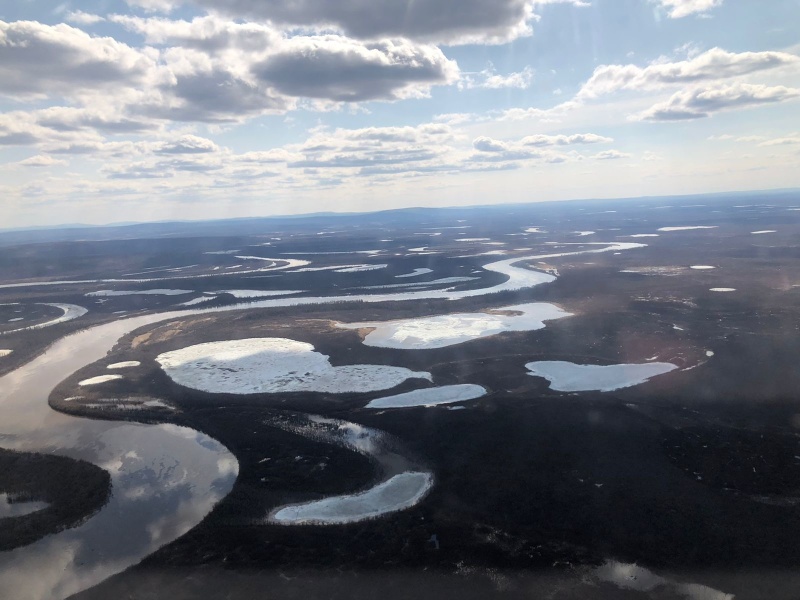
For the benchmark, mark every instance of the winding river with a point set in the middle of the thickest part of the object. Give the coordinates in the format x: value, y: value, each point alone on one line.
x: 165, y: 478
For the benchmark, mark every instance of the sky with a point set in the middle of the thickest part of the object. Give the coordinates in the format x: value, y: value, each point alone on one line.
x: 143, y: 110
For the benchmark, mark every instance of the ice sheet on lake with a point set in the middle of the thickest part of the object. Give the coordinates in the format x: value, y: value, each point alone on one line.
x: 570, y: 377
x: 128, y: 364
x: 400, y: 492
x: 159, y: 292
x: 273, y: 365
x: 448, y: 394
x: 99, y: 379
x: 415, y: 273
x: 448, y: 330
x: 71, y: 312
x: 360, y: 268
x: 688, y: 228
x: 256, y: 293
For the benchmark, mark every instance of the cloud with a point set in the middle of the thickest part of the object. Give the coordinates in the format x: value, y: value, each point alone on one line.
x: 699, y: 103
x: 344, y: 70
x: 41, y: 160
x: 489, y: 79
x: 683, y: 8
x: 784, y: 141
x: 438, y: 21
x: 82, y: 18
x: 611, y: 155
x: 711, y: 65
x: 565, y: 140
x: 38, y: 59
x: 188, y: 144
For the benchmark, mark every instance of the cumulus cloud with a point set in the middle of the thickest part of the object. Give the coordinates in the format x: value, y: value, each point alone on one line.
x: 188, y: 144
x: 340, y: 69
x: 41, y: 160
x: 489, y: 79
x: 611, y: 155
x: 711, y: 65
x: 60, y: 59
x: 439, y: 21
x: 702, y: 102
x: 565, y: 140
x: 677, y: 9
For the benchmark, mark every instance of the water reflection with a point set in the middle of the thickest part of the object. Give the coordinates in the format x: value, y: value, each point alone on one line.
x: 165, y: 478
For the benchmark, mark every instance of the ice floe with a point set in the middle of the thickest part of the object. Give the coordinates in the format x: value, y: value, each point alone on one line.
x: 99, y: 379
x: 256, y: 293
x: 272, y: 365
x: 762, y: 232
x: 360, y: 268
x: 399, y: 492
x: 570, y: 377
x: 415, y: 273
x: 448, y: 394
x: 447, y: 330
x: 103, y: 293
x: 702, y: 267
x: 642, y: 235
x: 722, y: 289
x: 128, y: 364
x: 71, y: 312
x: 688, y: 228
x: 584, y: 233
x: 403, y: 483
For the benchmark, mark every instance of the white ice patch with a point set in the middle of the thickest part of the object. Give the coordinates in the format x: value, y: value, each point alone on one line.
x: 71, y: 311
x: 418, y: 284
x: 448, y: 330
x: 274, y: 365
x: 584, y: 233
x: 100, y: 379
x: 722, y: 290
x: 5, y: 353
x: 642, y: 235
x: 535, y: 230
x: 448, y: 394
x: 702, y: 267
x: 688, y: 228
x: 571, y: 377
x: 763, y: 232
x: 103, y: 293
x: 473, y: 239
x: 196, y: 301
x: 257, y: 293
x: 360, y: 268
x: 415, y: 273
x: 397, y: 493
x: 128, y: 364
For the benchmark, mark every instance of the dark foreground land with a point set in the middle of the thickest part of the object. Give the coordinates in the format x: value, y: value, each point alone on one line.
x: 694, y: 475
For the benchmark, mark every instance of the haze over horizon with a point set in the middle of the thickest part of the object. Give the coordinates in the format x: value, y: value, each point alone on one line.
x: 146, y: 110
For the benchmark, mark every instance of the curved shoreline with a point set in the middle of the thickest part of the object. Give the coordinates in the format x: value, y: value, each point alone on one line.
x: 147, y: 480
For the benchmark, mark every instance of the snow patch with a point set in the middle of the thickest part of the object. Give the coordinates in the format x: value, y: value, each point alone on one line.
x: 688, y: 228
x: 397, y: 493
x: 274, y: 365
x: 448, y: 330
x: 100, y: 379
x: 449, y: 394
x: 104, y: 293
x: 128, y: 364
x: 360, y: 268
x: 415, y: 273
x: 571, y: 377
